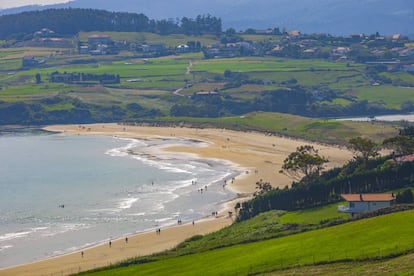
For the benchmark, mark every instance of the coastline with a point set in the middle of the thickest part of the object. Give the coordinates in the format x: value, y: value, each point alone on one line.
x: 259, y: 156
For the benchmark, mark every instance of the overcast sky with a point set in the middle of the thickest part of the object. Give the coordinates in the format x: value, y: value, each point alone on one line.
x: 5, y: 4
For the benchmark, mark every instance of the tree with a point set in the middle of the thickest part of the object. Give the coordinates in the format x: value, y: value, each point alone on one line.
x: 405, y: 197
x: 304, y: 162
x: 38, y: 78
x: 363, y: 148
x: 401, y: 145
x: 262, y: 187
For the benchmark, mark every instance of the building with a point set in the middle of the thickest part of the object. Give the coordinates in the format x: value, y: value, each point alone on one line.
x: 29, y: 61
x: 361, y: 203
x: 45, y: 32
x: 99, y: 39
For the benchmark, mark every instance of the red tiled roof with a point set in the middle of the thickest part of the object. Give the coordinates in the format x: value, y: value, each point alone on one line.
x: 406, y: 158
x: 368, y: 197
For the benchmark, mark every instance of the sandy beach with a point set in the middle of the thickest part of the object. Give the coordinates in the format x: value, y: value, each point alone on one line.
x: 259, y: 156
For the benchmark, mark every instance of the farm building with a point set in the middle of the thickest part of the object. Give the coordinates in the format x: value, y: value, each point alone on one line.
x: 360, y: 203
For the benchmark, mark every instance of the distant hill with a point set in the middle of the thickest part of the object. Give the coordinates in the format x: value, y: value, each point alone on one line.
x: 310, y: 16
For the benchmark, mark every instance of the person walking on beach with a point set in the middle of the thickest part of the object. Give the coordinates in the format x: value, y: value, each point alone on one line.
x: 126, y: 240
x: 82, y: 254
x: 110, y: 243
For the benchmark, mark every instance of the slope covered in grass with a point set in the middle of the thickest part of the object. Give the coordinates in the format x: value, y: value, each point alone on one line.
x: 369, y: 238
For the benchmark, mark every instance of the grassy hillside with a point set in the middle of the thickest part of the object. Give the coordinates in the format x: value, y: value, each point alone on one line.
x: 370, y: 238
x: 329, y: 131
x: 403, y: 265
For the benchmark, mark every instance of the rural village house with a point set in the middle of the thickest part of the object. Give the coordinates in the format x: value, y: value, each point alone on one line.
x: 360, y: 203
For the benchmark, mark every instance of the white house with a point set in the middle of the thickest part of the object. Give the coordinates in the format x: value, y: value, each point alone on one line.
x: 360, y: 203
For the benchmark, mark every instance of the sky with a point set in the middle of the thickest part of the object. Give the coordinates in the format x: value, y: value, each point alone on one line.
x: 5, y: 4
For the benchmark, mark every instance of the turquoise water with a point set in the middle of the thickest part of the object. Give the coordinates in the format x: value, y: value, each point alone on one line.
x: 62, y: 193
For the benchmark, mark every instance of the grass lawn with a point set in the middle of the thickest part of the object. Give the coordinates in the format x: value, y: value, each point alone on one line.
x: 403, y: 265
x: 314, y: 215
x: 390, y: 96
x: 373, y: 237
x: 329, y: 131
x: 172, y: 40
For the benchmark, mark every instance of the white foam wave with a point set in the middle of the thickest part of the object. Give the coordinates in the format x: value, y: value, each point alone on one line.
x: 124, y: 151
x: 137, y: 214
x: 162, y: 165
x: 127, y: 203
x: 15, y: 235
x: 4, y: 247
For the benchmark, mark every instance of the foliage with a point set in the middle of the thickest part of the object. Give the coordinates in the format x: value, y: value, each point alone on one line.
x: 401, y: 145
x: 304, y: 162
x: 405, y: 197
x: 262, y: 187
x: 377, y: 175
x: 71, y: 21
x: 363, y: 147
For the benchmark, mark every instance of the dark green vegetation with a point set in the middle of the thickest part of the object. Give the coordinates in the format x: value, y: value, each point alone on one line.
x: 71, y: 21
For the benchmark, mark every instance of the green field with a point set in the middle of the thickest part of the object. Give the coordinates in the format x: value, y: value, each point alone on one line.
x: 389, y: 96
x: 403, y: 265
x: 174, y: 72
x: 169, y: 40
x: 329, y: 131
x: 368, y: 238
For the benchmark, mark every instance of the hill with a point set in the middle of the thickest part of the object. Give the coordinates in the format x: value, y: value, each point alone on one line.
x: 360, y: 240
x: 314, y: 16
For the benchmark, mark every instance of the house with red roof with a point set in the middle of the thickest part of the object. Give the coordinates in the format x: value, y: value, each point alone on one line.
x: 361, y: 203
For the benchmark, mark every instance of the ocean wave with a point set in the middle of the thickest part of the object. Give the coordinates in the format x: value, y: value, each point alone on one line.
x: 4, y: 247
x: 14, y: 235
x: 127, y: 203
x: 63, y: 228
x: 124, y: 151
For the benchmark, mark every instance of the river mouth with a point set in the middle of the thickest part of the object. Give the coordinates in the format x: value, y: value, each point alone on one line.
x: 383, y: 118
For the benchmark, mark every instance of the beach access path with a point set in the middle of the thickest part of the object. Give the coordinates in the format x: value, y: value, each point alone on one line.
x: 259, y: 156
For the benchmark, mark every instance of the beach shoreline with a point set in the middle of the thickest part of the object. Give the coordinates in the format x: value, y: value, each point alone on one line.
x: 257, y: 155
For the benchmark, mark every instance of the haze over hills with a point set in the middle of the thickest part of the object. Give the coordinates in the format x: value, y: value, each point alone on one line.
x: 309, y: 16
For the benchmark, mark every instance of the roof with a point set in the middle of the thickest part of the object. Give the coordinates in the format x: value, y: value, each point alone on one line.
x: 207, y: 93
x: 367, y: 197
x: 405, y: 158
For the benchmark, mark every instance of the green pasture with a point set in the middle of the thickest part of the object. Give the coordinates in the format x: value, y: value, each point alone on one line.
x: 257, y: 64
x: 166, y: 74
x: 261, y: 37
x: 109, y: 96
x: 390, y: 96
x: 329, y: 131
x: 32, y: 90
x: 314, y: 215
x: 265, y: 225
x: 400, y: 76
x: 403, y: 265
x: 369, y: 238
x: 172, y: 40
x: 314, y: 129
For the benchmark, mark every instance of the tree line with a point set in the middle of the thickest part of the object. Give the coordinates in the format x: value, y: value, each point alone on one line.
x: 71, y: 21
x: 381, y: 177
x: 366, y: 173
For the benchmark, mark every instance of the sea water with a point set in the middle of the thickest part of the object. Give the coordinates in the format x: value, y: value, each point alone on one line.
x: 60, y: 193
